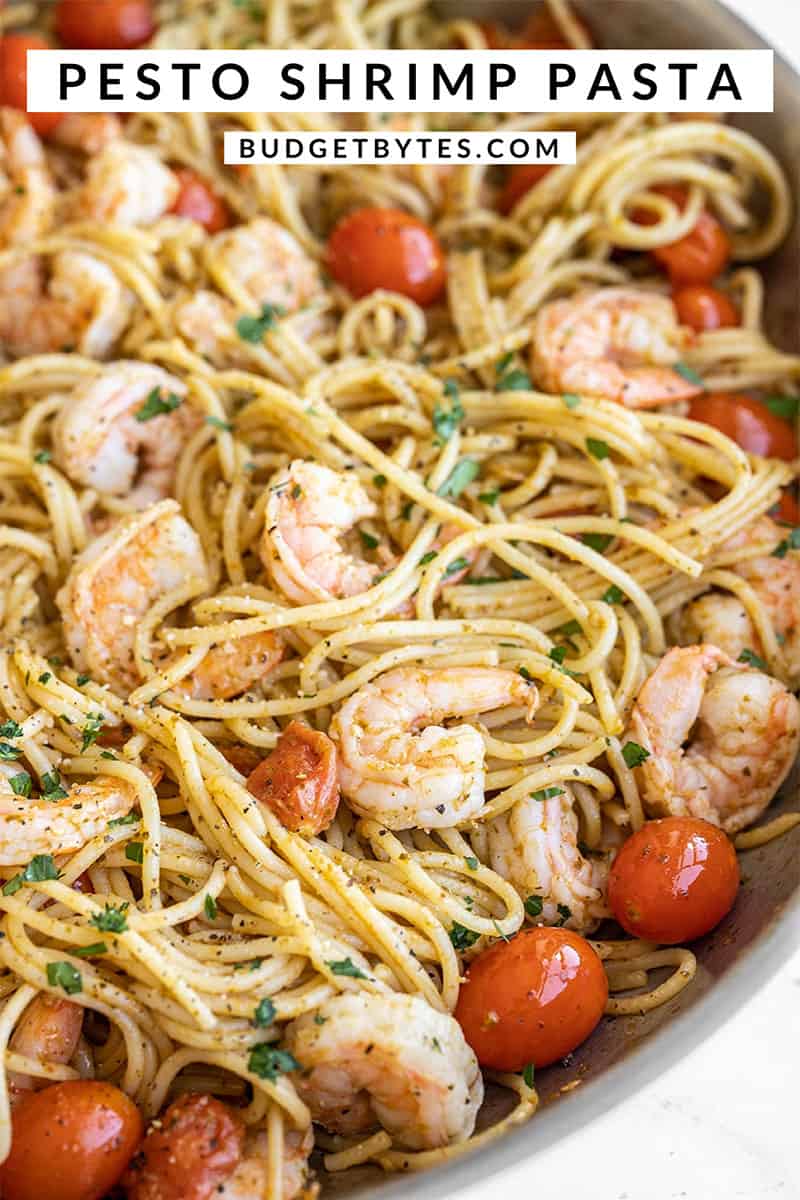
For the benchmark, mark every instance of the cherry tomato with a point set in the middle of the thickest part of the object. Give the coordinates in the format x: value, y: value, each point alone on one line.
x: 747, y: 421
x: 540, y: 32
x: 519, y: 181
x: 703, y: 308
x: 70, y: 1141
x: 189, y: 1153
x: 673, y: 880
x: 14, y: 77
x: 298, y: 781
x: 104, y: 24
x: 387, y: 248
x: 532, y: 999
x: 698, y: 256
x: 198, y: 200
x: 787, y: 509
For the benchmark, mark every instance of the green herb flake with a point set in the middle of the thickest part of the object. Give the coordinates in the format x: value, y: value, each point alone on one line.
x: 21, y: 784
x: 10, y: 729
x: 42, y: 456
x: 458, y: 564
x: 368, y: 540
x: 218, y: 423
x: 634, y: 754
x: 689, y: 375
x: 210, y: 907
x: 571, y: 399
x: 111, y: 919
x: 613, y: 595
x: 570, y: 629
x: 264, y: 1014
x: 346, y: 966
x: 472, y: 863
x: 461, y: 937
x: 252, y: 329
x: 45, y: 677
x: 82, y: 679
x: 790, y: 542
x: 527, y: 1075
x: 597, y: 541
x: 526, y: 675
x: 39, y: 870
x: 8, y: 753
x: 558, y: 654
x: 157, y: 405
x: 64, y: 975
x: 427, y: 558
x: 515, y: 380
x: 547, y: 793
x: 533, y: 906
x: 89, y: 951
x: 134, y: 852
x: 51, y: 787
x: 752, y: 659
x: 597, y: 448
x: 267, y: 1063
x: 380, y: 481
x: 447, y: 420
x: 463, y: 473
x: 319, y: 1019
x: 489, y: 498
x: 785, y: 407
x: 91, y: 730
x: 130, y: 819
x: 564, y: 912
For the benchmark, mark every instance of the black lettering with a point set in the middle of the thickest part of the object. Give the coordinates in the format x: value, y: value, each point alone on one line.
x: 185, y: 70
x: 107, y: 81
x: 604, y: 82
x: 683, y: 70
x: 292, y: 74
x: 501, y: 75
x: 640, y: 75
x: 374, y: 83
x: 143, y: 75
x: 442, y: 80
x: 547, y: 149
x: 730, y: 86
x: 463, y: 148
x: 216, y: 82
x: 247, y: 147
x: 381, y: 147
x: 562, y: 75
x: 326, y: 81
x: 71, y: 75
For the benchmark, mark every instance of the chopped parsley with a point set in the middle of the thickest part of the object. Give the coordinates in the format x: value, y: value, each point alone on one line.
x: 613, y: 595
x: 564, y: 912
x: 42, y: 456
x: 210, y: 907
x: 597, y: 541
x: 264, y: 1014
x: 515, y: 380
x: 597, y: 448
x: 462, y: 474
x: 380, y: 481
x: 634, y: 754
x: 64, y: 975
x: 570, y: 629
x: 571, y: 399
x: 689, y: 375
x: 458, y: 564
x: 89, y: 951
x: 368, y: 540
x: 267, y: 1063
x: 21, y: 784
x: 534, y: 905
x: 45, y: 677
x: 82, y: 679
x: 790, y: 542
x: 447, y: 420
x: 51, y: 787
x: 547, y: 793
x: 218, y: 423
x: 134, y: 852
x: 786, y: 407
x: 8, y: 753
x: 427, y: 558
x: 461, y: 937
x: 111, y: 919
x: 157, y: 405
x: 252, y: 329
x: 472, y: 863
x: 489, y: 497
x: 130, y: 819
x: 752, y: 659
x: 91, y: 730
x: 558, y: 654
x: 527, y: 1075
x: 39, y: 869
x: 346, y: 966
x: 10, y: 729
x: 526, y: 675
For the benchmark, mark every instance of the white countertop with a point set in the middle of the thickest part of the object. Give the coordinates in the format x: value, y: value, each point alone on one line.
x: 723, y: 1123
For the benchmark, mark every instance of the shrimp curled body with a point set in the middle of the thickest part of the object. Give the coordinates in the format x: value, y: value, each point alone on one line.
x: 398, y: 765
x: 40, y: 825
x: 721, y: 738
x: 391, y: 1060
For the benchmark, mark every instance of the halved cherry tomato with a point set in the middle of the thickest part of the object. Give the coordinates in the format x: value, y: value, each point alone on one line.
x: 387, y: 248
x: 747, y: 421
x: 198, y: 200
x: 704, y: 308
x: 787, y: 509
x: 70, y: 1141
x: 14, y: 48
x: 673, y: 880
x: 189, y: 1153
x: 697, y: 257
x: 298, y: 781
x: 104, y: 24
x: 519, y: 181
x: 532, y: 999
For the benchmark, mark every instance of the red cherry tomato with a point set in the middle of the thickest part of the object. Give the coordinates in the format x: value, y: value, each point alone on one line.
x: 519, y: 181
x: 787, y: 509
x: 188, y: 1153
x: 104, y: 24
x: 531, y: 1000
x: 673, y: 880
x: 698, y: 256
x: 198, y: 200
x: 747, y: 422
x: 703, y: 308
x: 70, y: 1141
x: 14, y: 77
x: 387, y: 248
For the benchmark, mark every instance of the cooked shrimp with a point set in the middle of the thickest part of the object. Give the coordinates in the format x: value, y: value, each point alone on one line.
x: 298, y: 780
x: 48, y: 1030
x: 535, y: 846
x: 81, y: 306
x: 720, y: 738
x: 104, y: 437
x: 41, y: 825
x: 206, y: 321
x: 89, y: 132
x: 198, y: 1148
x: 391, y: 1060
x: 268, y: 263
x: 613, y: 342
x: 27, y: 194
x: 114, y: 582
x: 126, y: 185
x: 310, y: 508
x: 230, y: 668
x: 398, y: 766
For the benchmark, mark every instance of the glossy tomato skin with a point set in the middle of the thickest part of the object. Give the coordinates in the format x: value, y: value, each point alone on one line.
x: 787, y: 509
x: 198, y: 200
x: 704, y: 308
x: 673, y: 880
x: 104, y: 24
x: 519, y: 181
x: 697, y: 257
x: 387, y: 248
x: 70, y: 1141
x: 532, y: 999
x: 747, y: 422
x: 14, y: 77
